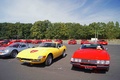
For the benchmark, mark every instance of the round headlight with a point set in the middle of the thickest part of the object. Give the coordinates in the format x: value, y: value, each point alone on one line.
x: 98, y: 61
x: 6, y: 51
x: 79, y: 60
x: 102, y: 62
x: 76, y: 60
x: 107, y: 62
x: 72, y: 59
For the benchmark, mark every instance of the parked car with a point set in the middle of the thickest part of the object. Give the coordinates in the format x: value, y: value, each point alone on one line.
x: 46, y: 40
x: 84, y: 41
x: 26, y: 40
x: 12, y: 49
x: 44, y: 53
x: 103, y: 42
x: 4, y: 42
x: 36, y: 41
x: 91, y: 56
x: 72, y: 41
x: 58, y: 40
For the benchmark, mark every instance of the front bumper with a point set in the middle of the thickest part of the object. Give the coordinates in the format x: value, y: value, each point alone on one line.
x: 31, y: 61
x: 90, y: 66
x: 4, y: 54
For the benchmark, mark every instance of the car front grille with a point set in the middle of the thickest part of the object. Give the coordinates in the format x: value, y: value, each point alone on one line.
x: 26, y: 59
x: 89, y: 64
x: 88, y: 61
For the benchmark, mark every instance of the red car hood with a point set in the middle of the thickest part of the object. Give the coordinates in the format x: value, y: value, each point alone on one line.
x: 91, y: 54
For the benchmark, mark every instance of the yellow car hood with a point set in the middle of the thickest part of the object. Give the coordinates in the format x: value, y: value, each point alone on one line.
x: 34, y: 53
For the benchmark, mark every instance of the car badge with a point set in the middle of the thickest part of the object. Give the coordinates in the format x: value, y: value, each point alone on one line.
x: 32, y: 51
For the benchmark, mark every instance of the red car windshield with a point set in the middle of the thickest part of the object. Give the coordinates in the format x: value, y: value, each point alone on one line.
x: 91, y: 46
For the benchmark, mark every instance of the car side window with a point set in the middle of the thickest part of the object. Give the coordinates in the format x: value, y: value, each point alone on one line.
x: 23, y: 45
x: 16, y: 45
x: 59, y: 45
x: 53, y: 45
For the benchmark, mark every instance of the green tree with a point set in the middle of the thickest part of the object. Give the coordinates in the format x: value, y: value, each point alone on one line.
x: 39, y: 29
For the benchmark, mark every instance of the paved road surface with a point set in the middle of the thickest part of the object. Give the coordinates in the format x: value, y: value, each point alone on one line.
x: 12, y: 69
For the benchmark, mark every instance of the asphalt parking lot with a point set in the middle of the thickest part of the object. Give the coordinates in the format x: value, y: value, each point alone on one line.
x: 12, y: 69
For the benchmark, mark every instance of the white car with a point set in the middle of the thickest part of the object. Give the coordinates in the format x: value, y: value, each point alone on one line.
x: 13, y: 49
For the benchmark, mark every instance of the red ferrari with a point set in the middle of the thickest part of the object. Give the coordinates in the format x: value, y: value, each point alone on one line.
x: 72, y: 41
x: 4, y: 42
x: 84, y: 41
x: 26, y: 40
x: 46, y: 40
x: 58, y: 40
x: 91, y: 56
x: 36, y: 41
x: 103, y: 42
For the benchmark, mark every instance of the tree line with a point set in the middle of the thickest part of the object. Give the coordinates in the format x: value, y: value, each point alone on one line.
x: 47, y: 30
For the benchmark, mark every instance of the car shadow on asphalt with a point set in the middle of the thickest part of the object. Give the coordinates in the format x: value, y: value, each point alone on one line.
x: 34, y: 65
x: 42, y: 65
x: 6, y: 58
x: 88, y: 70
x: 59, y: 58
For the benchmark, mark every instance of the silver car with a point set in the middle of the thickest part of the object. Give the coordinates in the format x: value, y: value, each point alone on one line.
x: 13, y: 49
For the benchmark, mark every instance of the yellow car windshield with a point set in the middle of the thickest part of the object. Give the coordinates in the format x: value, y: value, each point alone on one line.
x: 47, y: 45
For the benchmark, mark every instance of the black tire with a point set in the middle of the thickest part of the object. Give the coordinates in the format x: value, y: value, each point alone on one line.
x: 107, y: 69
x: 13, y: 53
x: 63, y: 54
x: 73, y: 67
x: 49, y: 60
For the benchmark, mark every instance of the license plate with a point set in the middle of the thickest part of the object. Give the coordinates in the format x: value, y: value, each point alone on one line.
x: 26, y: 61
x: 89, y: 67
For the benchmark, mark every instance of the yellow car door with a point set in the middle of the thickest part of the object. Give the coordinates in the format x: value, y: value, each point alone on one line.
x: 60, y: 49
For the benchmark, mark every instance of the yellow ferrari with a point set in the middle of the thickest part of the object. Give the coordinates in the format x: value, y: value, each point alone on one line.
x: 44, y: 53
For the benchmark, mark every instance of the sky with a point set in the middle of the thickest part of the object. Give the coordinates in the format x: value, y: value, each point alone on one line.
x: 74, y: 11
